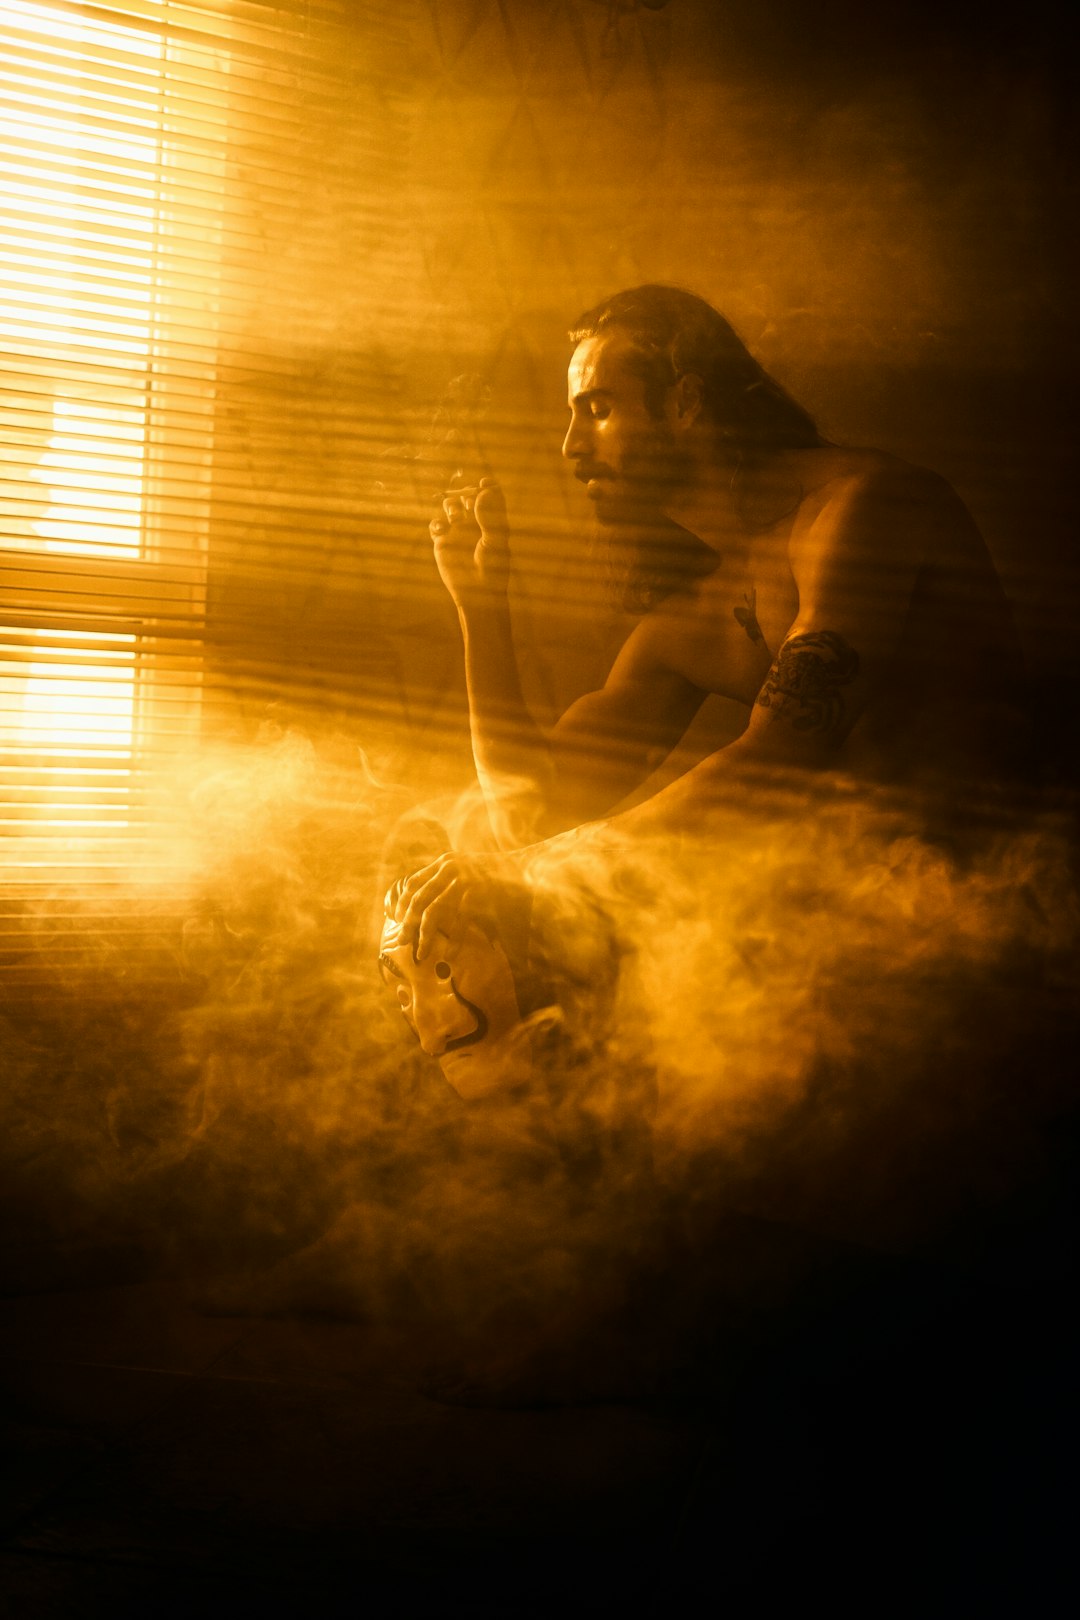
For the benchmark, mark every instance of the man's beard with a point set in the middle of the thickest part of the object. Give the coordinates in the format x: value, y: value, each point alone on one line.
x: 654, y: 470
x: 645, y: 556
x: 642, y: 563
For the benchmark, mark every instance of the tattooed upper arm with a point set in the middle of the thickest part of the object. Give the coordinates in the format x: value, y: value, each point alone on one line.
x: 855, y: 566
x: 805, y: 685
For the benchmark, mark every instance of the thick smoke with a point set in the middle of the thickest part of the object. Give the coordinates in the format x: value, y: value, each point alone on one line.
x: 817, y: 1016
x: 851, y: 1024
x: 818, y: 1019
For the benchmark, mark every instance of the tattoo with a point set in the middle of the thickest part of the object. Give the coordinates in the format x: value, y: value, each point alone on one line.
x: 803, y: 684
x: 747, y: 616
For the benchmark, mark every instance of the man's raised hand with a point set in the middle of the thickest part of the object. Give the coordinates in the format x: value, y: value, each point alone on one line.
x: 472, y: 543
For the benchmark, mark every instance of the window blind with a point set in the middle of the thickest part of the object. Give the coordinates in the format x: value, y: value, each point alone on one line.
x: 159, y: 298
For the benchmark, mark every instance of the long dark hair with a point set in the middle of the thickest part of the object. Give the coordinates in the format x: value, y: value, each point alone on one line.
x: 674, y: 333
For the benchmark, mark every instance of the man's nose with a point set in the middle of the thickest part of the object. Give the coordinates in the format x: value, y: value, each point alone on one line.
x: 576, y: 443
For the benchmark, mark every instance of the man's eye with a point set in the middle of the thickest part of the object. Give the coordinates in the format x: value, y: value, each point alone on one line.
x: 599, y: 412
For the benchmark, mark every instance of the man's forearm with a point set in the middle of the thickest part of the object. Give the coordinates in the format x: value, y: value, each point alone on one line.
x: 685, y: 806
x: 711, y: 803
x: 513, y: 760
x: 734, y: 780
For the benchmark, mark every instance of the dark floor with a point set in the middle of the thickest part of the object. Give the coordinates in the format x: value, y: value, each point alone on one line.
x: 166, y: 1462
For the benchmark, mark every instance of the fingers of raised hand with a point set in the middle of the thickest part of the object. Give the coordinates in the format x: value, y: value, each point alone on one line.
x: 455, y: 525
x: 458, y: 504
x: 489, y: 509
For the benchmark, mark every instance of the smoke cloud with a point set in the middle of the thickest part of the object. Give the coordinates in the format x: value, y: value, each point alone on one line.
x: 825, y: 1019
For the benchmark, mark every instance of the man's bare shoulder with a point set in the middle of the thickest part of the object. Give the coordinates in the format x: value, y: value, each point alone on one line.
x: 867, y: 499
x: 830, y: 475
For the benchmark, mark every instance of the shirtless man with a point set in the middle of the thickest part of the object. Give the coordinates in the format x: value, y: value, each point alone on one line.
x: 845, y: 597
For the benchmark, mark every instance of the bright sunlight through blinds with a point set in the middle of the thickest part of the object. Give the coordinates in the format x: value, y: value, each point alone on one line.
x: 143, y: 148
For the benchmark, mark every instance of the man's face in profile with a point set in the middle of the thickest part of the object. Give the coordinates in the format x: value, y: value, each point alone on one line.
x: 460, y: 1003
x: 627, y: 458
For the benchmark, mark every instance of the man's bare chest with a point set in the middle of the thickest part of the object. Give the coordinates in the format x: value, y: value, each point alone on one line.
x: 724, y: 636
